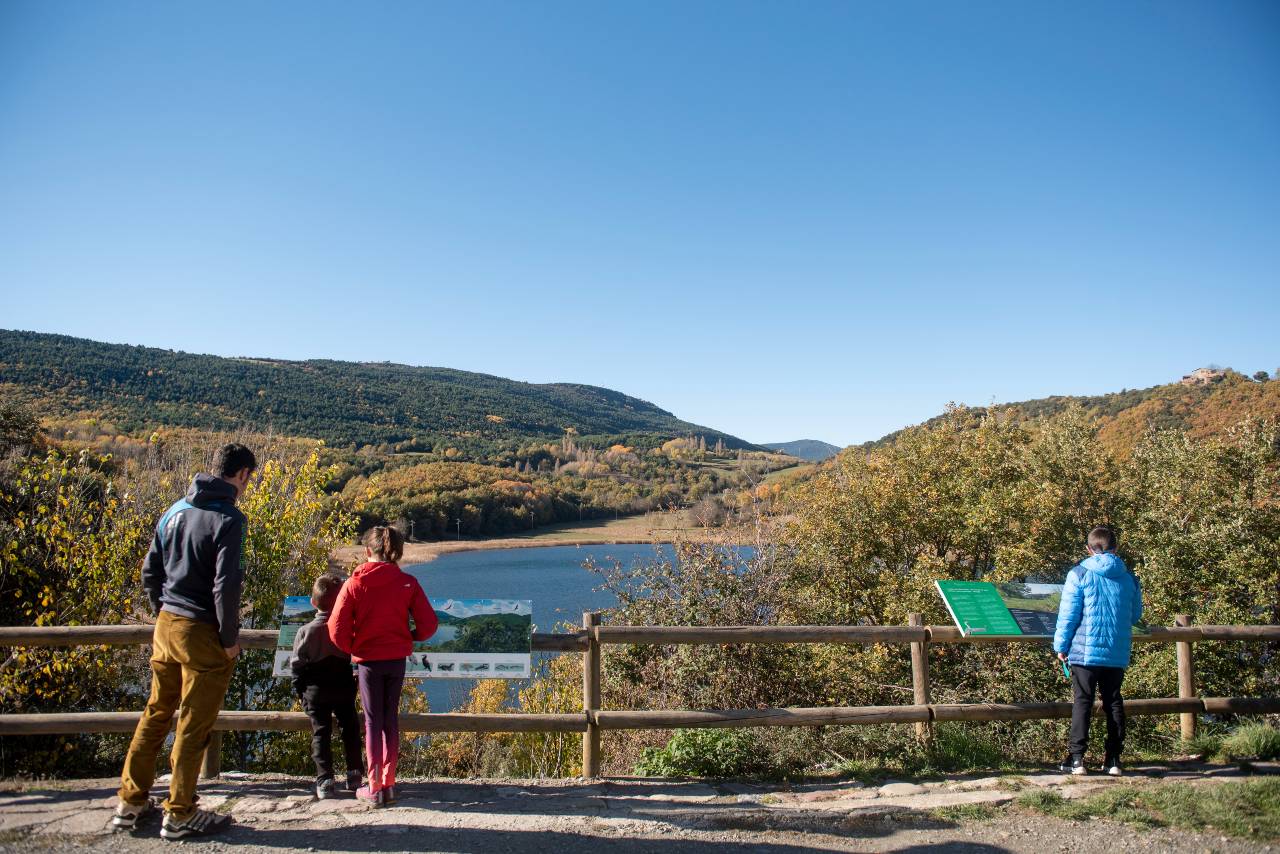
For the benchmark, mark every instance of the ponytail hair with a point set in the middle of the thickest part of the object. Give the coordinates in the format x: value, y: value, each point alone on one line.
x: 386, y: 543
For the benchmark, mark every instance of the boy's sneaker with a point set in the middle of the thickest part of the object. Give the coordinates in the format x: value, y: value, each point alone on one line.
x: 354, y: 780
x: 1112, y: 766
x: 1073, y: 765
x: 129, y: 816
x: 325, y: 789
x: 199, y: 823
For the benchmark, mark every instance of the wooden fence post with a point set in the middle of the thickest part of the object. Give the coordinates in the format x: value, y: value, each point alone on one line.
x: 920, y: 677
x: 591, y: 697
x: 212, y: 756
x: 1186, y: 679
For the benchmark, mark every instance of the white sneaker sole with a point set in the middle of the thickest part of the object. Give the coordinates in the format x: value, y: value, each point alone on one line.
x: 125, y: 823
x: 177, y: 833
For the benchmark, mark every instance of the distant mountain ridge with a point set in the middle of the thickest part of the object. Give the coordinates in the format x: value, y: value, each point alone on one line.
x: 1205, y: 402
x: 341, y: 402
x: 813, y: 450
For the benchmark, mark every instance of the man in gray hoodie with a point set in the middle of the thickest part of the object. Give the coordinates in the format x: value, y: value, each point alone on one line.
x: 192, y: 578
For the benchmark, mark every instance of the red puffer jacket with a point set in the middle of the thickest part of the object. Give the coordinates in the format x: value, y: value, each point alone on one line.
x: 370, y: 620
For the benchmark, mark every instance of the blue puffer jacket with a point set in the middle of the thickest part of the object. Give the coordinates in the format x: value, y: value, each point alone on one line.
x: 1101, y: 603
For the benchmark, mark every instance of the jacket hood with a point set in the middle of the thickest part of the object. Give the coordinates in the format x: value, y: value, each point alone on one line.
x: 1106, y: 564
x: 207, y: 489
x: 375, y: 569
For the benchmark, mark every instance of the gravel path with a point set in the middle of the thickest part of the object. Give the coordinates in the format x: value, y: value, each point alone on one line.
x: 276, y: 815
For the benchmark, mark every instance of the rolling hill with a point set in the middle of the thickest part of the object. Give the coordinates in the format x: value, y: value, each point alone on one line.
x: 1201, y: 408
x: 806, y: 449
x: 344, y: 403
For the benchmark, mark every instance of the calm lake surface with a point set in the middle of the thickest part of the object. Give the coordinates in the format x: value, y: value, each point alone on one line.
x: 551, y: 576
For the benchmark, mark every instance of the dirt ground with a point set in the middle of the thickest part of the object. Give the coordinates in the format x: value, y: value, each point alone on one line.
x: 277, y: 815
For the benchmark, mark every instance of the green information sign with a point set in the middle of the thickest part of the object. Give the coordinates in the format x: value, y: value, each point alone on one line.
x: 978, y: 608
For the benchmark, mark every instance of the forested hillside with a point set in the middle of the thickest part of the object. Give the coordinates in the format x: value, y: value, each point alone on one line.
x: 1123, y: 417
x: 345, y: 403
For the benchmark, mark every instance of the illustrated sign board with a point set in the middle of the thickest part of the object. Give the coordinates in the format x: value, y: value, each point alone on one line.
x: 476, y: 639
x: 296, y: 613
x: 983, y: 608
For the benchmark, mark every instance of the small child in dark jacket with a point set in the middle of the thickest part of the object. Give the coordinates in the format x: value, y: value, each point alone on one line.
x: 323, y: 680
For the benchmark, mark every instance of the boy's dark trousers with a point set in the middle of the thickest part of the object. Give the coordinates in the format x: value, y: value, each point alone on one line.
x: 1086, y: 682
x: 322, y: 707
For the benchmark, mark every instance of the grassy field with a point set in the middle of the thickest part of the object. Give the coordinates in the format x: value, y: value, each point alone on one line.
x: 796, y: 471
x: 1248, y: 809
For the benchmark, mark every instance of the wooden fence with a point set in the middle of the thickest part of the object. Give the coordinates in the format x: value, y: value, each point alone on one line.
x: 919, y: 637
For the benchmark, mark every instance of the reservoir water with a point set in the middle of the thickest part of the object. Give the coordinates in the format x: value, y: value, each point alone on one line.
x: 551, y: 576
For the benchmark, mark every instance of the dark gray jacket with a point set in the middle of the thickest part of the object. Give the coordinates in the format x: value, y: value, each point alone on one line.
x: 312, y: 644
x: 193, y: 568
x: 321, y: 671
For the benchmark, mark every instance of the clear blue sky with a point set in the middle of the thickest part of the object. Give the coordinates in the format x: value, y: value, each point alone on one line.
x: 782, y: 220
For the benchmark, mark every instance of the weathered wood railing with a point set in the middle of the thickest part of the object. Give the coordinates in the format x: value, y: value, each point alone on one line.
x: 922, y: 713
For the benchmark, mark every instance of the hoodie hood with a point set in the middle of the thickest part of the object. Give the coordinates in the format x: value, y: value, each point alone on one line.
x: 375, y: 570
x: 1106, y: 564
x: 372, y: 615
x: 207, y: 489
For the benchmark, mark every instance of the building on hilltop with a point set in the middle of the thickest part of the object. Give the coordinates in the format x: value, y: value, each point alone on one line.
x: 1204, y: 376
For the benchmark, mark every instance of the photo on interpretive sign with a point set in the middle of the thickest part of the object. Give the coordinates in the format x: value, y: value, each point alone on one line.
x: 1033, y: 606
x: 476, y: 639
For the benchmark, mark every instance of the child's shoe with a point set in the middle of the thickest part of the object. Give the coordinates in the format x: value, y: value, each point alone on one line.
x: 369, y: 796
x: 354, y: 780
x: 387, y: 795
x: 325, y: 789
x: 1073, y: 765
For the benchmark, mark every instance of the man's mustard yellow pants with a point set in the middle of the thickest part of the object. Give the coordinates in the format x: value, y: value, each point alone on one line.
x: 189, y: 676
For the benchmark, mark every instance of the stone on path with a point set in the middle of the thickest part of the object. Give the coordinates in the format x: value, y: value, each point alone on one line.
x: 896, y: 788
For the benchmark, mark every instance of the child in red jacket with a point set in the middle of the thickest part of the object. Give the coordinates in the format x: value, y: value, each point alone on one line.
x: 371, y: 622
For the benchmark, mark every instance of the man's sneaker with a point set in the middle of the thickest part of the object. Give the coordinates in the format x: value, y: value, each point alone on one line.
x: 1073, y: 765
x: 354, y: 780
x: 1112, y: 767
x: 325, y: 789
x: 199, y: 823
x: 129, y: 816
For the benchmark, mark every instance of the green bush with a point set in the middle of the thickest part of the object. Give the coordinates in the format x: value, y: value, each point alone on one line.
x: 1253, y: 741
x: 704, y: 753
x: 1205, y: 745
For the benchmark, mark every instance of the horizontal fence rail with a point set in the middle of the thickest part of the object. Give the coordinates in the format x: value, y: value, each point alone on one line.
x: 76, y: 722
x: 249, y: 638
x: 592, y: 720
x: 11, y: 636
x: 230, y: 721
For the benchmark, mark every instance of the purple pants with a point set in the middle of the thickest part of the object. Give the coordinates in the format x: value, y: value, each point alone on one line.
x: 380, y: 685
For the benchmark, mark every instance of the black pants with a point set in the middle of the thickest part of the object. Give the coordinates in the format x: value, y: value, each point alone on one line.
x: 322, y: 710
x: 1086, y: 682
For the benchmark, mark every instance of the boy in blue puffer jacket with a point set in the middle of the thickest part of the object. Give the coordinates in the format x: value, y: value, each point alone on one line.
x: 1101, y: 603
